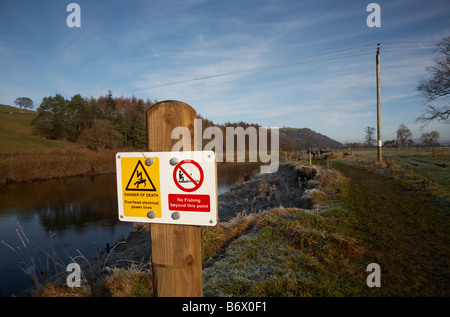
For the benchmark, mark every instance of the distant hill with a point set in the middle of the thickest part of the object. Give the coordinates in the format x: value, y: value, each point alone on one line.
x: 16, y: 135
x: 306, y: 138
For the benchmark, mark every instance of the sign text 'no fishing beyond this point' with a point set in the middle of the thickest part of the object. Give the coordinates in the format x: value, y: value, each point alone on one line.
x: 167, y: 187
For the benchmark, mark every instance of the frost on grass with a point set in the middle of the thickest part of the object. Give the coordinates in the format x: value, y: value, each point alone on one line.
x: 240, y: 267
x: 286, y: 188
x: 246, y: 262
x: 274, y: 256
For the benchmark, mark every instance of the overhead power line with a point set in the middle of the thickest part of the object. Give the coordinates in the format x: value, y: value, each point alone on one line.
x: 396, y: 47
x: 361, y: 50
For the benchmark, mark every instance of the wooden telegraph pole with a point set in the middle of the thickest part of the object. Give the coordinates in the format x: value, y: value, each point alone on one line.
x: 176, y: 249
x: 380, y: 158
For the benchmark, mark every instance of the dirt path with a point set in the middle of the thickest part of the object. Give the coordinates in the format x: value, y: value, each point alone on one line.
x: 407, y: 232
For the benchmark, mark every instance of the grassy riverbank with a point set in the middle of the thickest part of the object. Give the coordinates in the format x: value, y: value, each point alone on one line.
x: 56, y: 163
x: 359, y: 212
x: 362, y: 213
x: 271, y: 246
x: 394, y: 214
x: 25, y: 157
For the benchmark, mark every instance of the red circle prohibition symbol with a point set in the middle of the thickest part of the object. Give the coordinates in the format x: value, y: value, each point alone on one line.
x: 197, y: 184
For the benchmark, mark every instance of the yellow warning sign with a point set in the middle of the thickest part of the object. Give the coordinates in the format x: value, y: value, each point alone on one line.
x: 139, y: 180
x: 140, y: 187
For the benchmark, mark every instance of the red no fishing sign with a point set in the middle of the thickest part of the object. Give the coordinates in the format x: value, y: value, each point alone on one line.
x: 188, y: 176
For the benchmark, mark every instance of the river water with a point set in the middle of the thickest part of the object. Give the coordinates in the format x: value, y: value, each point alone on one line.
x: 70, y: 216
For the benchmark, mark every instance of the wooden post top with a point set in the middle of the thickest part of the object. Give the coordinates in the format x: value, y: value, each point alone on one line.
x: 162, y: 118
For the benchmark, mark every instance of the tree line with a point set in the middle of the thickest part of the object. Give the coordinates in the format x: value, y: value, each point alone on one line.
x: 404, y: 139
x: 105, y: 122
x: 97, y: 123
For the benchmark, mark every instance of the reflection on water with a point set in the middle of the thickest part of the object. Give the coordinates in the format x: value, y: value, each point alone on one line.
x: 230, y: 173
x: 79, y: 212
x: 63, y: 203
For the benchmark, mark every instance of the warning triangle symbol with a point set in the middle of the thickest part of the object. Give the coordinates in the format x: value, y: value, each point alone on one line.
x: 140, y: 180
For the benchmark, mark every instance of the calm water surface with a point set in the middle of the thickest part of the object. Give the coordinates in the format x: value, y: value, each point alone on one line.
x: 79, y: 213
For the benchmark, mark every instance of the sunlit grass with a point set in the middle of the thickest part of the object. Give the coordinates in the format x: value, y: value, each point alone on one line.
x: 16, y: 135
x: 288, y: 252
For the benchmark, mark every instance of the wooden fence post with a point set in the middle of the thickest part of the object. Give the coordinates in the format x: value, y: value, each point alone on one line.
x: 176, y: 249
x: 309, y: 150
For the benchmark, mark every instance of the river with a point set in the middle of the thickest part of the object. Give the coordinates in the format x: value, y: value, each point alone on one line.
x: 71, y: 216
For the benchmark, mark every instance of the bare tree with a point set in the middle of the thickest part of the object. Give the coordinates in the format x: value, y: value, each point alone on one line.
x: 24, y: 102
x: 437, y: 87
x: 403, y: 135
x: 430, y: 138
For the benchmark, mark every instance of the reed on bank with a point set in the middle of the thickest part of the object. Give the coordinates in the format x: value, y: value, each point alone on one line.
x: 56, y: 163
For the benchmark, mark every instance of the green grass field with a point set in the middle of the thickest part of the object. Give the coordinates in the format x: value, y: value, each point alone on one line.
x: 418, y: 167
x: 394, y: 214
x: 16, y: 135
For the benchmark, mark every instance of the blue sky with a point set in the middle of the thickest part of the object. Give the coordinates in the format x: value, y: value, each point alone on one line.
x: 273, y: 62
